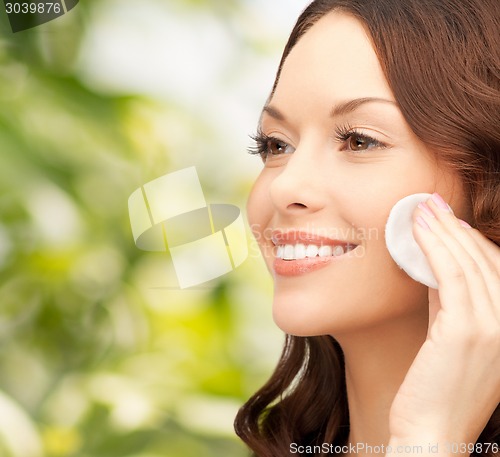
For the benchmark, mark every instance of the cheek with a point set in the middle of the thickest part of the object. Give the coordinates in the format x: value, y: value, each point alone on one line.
x: 379, y: 186
x: 365, y: 208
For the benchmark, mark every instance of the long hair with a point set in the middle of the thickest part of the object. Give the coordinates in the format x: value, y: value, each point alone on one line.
x: 441, y: 59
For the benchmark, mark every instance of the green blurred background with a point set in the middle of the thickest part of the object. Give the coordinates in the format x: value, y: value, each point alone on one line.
x: 100, y: 354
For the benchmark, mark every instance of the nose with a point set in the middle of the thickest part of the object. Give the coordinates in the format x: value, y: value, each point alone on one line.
x: 300, y: 188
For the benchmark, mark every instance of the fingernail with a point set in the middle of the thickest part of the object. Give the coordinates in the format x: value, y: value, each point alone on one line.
x: 440, y: 203
x: 423, y: 206
x: 422, y: 223
x: 464, y: 224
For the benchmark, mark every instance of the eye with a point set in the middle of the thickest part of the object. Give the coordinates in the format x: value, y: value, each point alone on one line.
x: 269, y: 147
x: 276, y: 147
x: 355, y: 141
x: 361, y: 143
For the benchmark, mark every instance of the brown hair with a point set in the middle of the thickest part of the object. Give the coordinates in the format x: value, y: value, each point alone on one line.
x: 442, y: 61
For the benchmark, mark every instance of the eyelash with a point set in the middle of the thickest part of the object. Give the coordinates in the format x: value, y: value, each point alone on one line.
x: 262, y: 143
x: 342, y: 135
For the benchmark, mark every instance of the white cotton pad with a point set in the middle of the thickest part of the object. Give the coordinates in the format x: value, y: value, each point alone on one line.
x: 402, y: 245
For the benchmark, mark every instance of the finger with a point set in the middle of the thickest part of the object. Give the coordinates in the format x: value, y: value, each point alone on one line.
x: 462, y: 268
x: 481, y: 254
x: 453, y: 289
x: 488, y: 247
x: 483, y: 250
x: 466, y: 264
x: 492, y: 275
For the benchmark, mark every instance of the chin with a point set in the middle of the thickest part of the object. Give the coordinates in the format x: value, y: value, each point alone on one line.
x: 310, y: 313
x: 308, y: 316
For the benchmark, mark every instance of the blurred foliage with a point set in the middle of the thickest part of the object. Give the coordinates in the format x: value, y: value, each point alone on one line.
x: 94, y: 361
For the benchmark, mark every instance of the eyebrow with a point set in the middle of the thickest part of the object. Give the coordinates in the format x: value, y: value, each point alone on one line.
x: 341, y: 109
x: 352, y: 105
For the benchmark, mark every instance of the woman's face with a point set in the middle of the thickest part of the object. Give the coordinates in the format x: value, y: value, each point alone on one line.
x: 339, y: 156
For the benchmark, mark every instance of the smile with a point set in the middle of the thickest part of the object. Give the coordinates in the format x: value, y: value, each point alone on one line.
x: 299, y: 252
x: 302, y: 251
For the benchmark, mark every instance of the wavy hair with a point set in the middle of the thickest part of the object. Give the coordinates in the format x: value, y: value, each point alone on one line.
x: 441, y: 59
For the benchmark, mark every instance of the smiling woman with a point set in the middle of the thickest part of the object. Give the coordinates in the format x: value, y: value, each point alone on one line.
x: 374, y: 101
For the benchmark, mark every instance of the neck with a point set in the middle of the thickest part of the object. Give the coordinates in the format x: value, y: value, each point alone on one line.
x: 376, y: 362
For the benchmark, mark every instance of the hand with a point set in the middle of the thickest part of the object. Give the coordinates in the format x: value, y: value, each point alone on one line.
x: 453, y: 385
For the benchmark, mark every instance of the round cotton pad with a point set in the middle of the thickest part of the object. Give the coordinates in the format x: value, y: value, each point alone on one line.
x: 402, y: 245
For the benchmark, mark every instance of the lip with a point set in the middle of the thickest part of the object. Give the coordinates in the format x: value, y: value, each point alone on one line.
x: 298, y: 236
x: 299, y: 267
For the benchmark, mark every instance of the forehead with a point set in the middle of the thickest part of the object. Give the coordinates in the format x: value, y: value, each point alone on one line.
x: 334, y: 60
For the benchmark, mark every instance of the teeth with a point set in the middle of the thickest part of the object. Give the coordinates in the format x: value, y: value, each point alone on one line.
x: 301, y: 251
x: 325, y: 251
x: 289, y: 253
x: 312, y: 250
x: 338, y: 250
